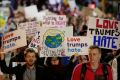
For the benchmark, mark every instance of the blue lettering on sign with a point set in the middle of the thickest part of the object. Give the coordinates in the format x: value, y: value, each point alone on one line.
x: 9, y: 45
x: 73, y: 50
x: 105, y: 41
x: 113, y: 42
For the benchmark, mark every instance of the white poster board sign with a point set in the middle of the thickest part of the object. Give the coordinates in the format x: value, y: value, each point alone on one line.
x: 30, y: 27
x: 104, y: 33
x: 14, y: 40
x: 53, y: 41
x: 54, y: 21
x: 79, y: 45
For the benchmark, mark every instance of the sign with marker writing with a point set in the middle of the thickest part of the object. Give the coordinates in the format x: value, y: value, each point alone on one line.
x: 14, y: 40
x: 35, y: 41
x: 78, y: 45
x: 30, y: 27
x: 53, y: 41
x: 54, y: 21
x: 104, y: 32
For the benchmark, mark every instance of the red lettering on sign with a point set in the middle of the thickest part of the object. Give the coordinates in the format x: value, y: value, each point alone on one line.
x: 7, y: 36
x: 107, y: 24
x: 73, y: 39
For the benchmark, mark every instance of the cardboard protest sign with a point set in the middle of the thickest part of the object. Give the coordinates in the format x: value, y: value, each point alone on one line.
x: 31, y: 11
x: 35, y: 41
x: 79, y: 45
x: 30, y: 27
x: 13, y: 40
x: 105, y: 33
x: 53, y: 41
x: 54, y: 21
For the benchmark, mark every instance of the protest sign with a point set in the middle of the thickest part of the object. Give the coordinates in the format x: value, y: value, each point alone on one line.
x: 35, y: 41
x: 30, y: 27
x: 54, y: 21
x: 105, y: 33
x: 53, y: 41
x: 30, y: 11
x: 13, y: 40
x: 79, y: 45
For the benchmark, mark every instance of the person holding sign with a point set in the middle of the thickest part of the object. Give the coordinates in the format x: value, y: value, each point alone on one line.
x: 29, y: 71
x: 93, y: 70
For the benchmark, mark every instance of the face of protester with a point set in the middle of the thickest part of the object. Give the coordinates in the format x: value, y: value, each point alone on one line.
x: 30, y: 58
x: 54, y: 61
x: 94, y: 56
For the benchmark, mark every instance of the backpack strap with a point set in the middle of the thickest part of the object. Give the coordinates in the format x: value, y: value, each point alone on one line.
x: 118, y: 69
x: 83, y: 71
x: 105, y: 71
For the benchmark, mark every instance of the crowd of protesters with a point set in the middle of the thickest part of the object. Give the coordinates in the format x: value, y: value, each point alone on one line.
x: 53, y: 68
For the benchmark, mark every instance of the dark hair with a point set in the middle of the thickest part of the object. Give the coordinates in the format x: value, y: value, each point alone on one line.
x: 31, y: 50
x: 95, y: 47
x: 48, y: 61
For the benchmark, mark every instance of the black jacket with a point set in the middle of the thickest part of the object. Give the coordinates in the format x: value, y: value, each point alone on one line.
x: 19, y: 71
x: 118, y: 67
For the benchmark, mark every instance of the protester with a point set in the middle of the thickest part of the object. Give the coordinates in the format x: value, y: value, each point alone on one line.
x: 26, y: 72
x: 58, y: 70
x: 55, y: 67
x: 116, y: 66
x: 16, y: 56
x: 93, y: 70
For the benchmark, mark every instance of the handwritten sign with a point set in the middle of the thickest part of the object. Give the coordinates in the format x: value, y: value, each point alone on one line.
x: 13, y: 40
x: 35, y: 41
x: 30, y: 27
x: 53, y: 41
x: 54, y: 21
x: 105, y: 33
x: 78, y: 45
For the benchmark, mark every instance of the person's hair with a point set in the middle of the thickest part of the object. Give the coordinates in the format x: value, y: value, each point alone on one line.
x: 95, y: 47
x: 31, y: 50
x: 49, y: 59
